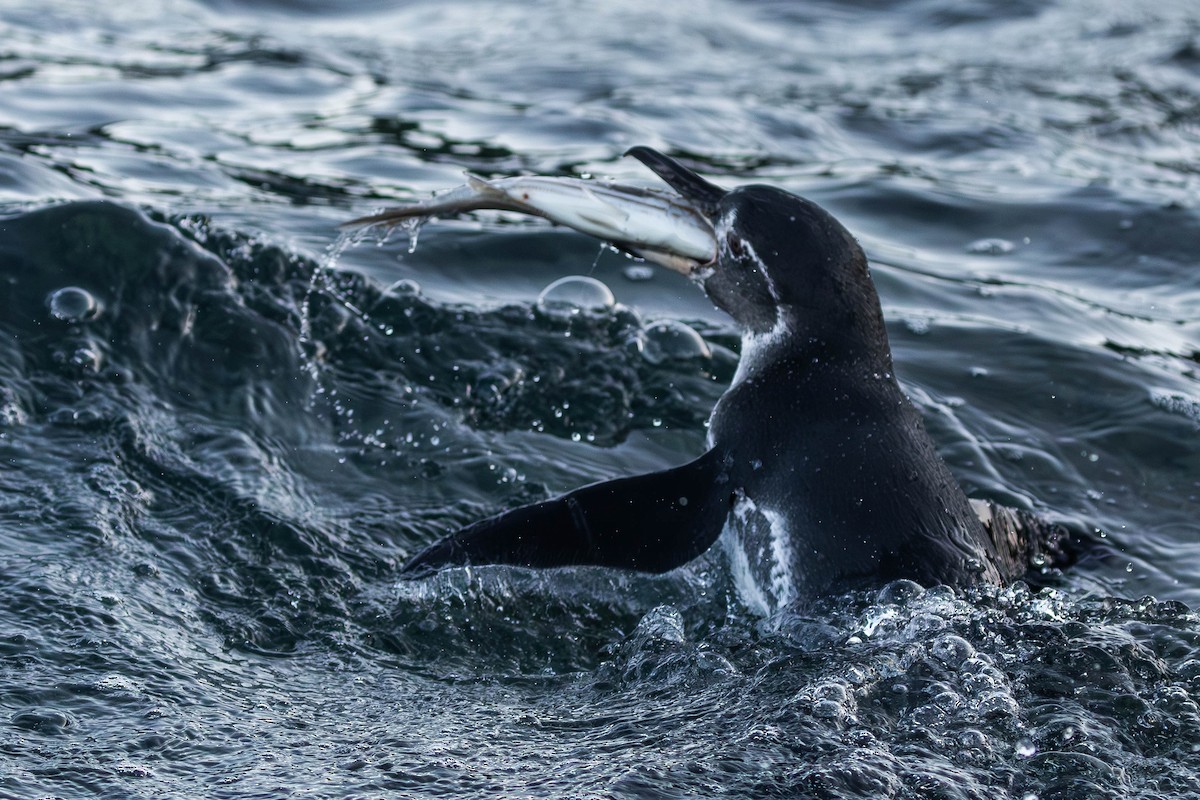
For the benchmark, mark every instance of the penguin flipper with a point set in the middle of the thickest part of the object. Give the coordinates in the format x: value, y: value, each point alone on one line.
x: 647, y: 523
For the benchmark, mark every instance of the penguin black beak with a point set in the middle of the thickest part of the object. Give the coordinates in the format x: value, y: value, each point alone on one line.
x: 703, y: 196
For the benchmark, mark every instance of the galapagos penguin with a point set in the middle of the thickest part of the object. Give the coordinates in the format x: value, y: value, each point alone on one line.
x: 818, y: 468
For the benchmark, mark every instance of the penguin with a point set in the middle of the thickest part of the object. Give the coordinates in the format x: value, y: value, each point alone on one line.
x: 818, y: 471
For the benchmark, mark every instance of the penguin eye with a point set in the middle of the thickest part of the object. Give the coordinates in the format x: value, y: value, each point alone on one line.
x: 736, y: 248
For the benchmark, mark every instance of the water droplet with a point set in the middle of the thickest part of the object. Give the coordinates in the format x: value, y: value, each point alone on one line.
x: 990, y: 247
x: 669, y: 340
x: 72, y: 304
x: 411, y: 226
x: 1026, y: 749
x: 574, y: 294
x: 87, y: 358
x: 638, y: 272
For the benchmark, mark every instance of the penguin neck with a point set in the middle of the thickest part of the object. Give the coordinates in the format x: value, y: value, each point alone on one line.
x: 799, y: 341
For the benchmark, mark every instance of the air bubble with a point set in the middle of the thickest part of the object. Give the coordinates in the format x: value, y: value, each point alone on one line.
x: 951, y: 650
x: 405, y: 287
x: 569, y: 296
x: 669, y: 340
x: 900, y: 592
x: 72, y: 304
x: 998, y: 705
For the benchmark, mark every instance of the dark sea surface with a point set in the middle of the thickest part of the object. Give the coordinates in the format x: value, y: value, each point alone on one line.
x: 222, y: 430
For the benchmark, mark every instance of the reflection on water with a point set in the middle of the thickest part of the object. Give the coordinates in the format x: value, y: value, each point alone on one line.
x: 223, y: 427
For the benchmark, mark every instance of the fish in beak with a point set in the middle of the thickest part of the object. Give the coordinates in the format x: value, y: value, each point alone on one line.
x: 672, y: 229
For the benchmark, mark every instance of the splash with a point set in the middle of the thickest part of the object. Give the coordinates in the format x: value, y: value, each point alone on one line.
x: 413, y: 228
x: 321, y: 282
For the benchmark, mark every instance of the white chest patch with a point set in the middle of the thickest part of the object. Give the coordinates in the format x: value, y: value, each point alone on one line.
x: 760, y: 555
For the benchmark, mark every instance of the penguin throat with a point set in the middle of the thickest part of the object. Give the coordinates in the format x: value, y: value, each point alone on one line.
x: 760, y: 347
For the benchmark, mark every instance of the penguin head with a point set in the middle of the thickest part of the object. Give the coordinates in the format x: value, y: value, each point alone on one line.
x: 781, y: 259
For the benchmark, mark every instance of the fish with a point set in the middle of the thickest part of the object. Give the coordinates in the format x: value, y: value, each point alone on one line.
x: 648, y: 223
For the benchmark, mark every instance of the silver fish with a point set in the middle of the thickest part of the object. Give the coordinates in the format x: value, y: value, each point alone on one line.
x: 651, y: 224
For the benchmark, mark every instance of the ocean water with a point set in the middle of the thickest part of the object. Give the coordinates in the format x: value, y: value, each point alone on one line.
x: 223, y: 429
